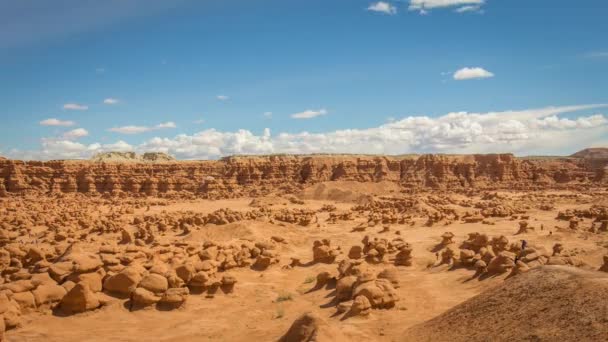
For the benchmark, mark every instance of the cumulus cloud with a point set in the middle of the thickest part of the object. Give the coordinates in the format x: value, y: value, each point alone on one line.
x: 74, y: 106
x: 472, y: 73
x: 424, y: 5
x: 75, y: 134
x: 57, y: 122
x: 382, y: 7
x: 141, y: 129
x: 309, y: 114
x: 523, y: 132
x: 110, y: 101
x: 223, y: 97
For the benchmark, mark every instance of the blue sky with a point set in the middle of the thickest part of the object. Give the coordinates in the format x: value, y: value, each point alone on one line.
x: 198, y: 79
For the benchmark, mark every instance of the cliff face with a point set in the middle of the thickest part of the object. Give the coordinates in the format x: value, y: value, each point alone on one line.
x: 236, y: 176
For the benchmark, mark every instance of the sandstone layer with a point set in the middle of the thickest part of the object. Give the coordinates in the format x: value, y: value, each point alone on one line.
x: 251, y: 176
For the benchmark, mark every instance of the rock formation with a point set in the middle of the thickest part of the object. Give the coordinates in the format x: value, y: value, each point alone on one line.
x: 237, y: 176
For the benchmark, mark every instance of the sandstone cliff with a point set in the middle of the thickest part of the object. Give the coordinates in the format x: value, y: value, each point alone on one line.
x: 236, y: 176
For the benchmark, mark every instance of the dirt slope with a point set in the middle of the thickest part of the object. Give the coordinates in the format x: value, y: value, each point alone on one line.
x: 595, y: 152
x: 548, y: 303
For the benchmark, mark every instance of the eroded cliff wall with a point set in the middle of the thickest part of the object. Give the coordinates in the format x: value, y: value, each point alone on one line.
x: 235, y: 176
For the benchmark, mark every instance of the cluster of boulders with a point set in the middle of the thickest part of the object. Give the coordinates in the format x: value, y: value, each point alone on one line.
x: 324, y: 252
x: 302, y: 217
x: 69, y: 280
x: 334, y: 216
x: 359, y: 290
x: 597, y: 213
x: 497, y: 255
x: 380, y: 250
x: 497, y: 208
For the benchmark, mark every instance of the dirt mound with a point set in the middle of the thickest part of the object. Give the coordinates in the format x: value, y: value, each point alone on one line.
x: 548, y: 303
x: 346, y: 191
x: 125, y: 157
x: 595, y: 152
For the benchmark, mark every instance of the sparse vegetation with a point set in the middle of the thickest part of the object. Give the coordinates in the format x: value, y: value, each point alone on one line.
x: 284, y: 297
x: 309, y: 280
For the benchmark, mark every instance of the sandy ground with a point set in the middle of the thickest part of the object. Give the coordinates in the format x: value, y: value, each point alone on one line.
x: 256, y: 311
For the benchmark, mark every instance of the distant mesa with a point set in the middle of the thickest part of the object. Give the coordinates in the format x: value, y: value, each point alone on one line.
x: 121, y: 157
x: 594, y: 153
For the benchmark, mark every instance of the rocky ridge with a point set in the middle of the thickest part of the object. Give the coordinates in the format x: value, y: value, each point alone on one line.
x: 251, y: 176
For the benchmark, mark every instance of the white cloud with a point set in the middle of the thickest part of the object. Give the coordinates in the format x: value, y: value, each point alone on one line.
x: 74, y: 106
x: 56, y: 122
x: 169, y: 124
x: 110, y: 101
x: 268, y: 115
x: 422, y: 5
x: 464, y: 9
x: 382, y: 7
x: 75, y: 134
x: 223, y: 97
x: 524, y: 132
x: 309, y: 114
x: 472, y: 73
x: 199, y: 121
x: 141, y: 129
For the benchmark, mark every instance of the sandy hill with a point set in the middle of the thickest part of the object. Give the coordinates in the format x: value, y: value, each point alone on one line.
x: 595, y: 152
x: 550, y: 303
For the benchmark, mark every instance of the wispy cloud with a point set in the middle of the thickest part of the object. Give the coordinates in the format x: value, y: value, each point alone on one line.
x: 472, y: 73
x: 199, y: 121
x: 464, y: 5
x: 382, y: 7
x: 267, y: 115
x: 223, y: 97
x: 141, y: 129
x: 110, y: 101
x: 57, y: 122
x: 464, y: 9
x: 74, y: 106
x: 309, y: 114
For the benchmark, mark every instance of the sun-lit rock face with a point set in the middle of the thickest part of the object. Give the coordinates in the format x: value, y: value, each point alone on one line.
x: 154, y: 174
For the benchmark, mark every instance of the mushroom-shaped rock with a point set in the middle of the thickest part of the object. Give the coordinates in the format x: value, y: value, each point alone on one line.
x: 48, y: 294
x: 344, y: 288
x: 379, y: 292
x: 309, y: 328
x: 154, y: 283
x: 447, y: 238
x: 360, y: 307
x: 228, y: 282
x: 355, y: 252
x: 124, y: 282
x: 404, y: 257
x: 142, y: 297
x: 604, y: 267
x: 175, y: 297
x: 79, y: 299
x: 503, y: 262
x: 391, y: 274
